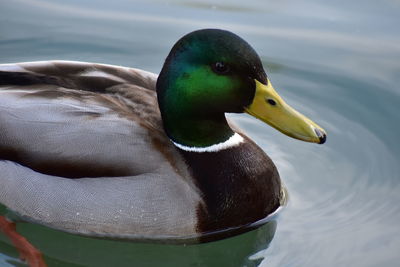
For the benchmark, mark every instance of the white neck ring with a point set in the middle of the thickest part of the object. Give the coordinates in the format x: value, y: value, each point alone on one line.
x: 233, y: 141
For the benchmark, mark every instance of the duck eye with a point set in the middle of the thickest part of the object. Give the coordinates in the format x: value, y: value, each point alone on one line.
x: 271, y: 102
x: 220, y: 67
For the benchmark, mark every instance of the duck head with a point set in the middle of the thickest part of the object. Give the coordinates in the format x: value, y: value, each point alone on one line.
x: 211, y: 72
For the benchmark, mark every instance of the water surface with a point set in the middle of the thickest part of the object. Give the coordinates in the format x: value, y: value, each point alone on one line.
x: 337, y: 62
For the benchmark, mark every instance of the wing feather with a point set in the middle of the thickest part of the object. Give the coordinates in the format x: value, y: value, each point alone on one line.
x: 101, y: 124
x: 56, y: 122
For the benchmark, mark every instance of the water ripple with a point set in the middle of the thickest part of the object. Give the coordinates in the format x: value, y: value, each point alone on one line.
x: 343, y: 195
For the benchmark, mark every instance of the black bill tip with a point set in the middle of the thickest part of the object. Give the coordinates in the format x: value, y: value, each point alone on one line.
x: 321, y: 135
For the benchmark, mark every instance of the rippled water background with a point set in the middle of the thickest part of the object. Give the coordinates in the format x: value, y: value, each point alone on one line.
x: 336, y: 61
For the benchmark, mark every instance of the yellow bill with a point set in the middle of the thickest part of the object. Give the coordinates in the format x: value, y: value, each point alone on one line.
x: 269, y: 107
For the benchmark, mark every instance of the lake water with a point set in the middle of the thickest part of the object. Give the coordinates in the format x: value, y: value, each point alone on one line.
x: 336, y: 61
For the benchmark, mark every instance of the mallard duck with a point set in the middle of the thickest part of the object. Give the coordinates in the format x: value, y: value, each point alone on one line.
x: 115, y: 152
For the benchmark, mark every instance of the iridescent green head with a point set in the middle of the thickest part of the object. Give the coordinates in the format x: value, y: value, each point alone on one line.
x: 206, y: 74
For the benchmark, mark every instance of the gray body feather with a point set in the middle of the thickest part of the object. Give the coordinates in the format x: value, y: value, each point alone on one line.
x: 99, y: 119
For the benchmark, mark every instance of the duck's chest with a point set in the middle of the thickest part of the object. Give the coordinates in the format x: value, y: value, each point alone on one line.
x: 238, y: 185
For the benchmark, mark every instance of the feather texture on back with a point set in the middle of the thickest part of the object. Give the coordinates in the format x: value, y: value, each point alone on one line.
x: 98, y: 123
